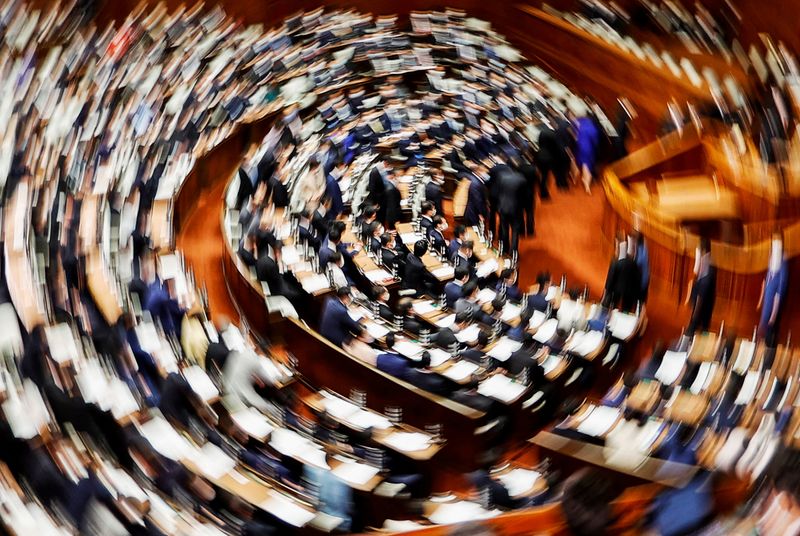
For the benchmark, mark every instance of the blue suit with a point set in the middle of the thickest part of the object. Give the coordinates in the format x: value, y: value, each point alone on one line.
x: 393, y: 364
x: 476, y: 202
x: 774, y: 287
x: 335, y: 324
x: 452, y: 292
x: 333, y: 191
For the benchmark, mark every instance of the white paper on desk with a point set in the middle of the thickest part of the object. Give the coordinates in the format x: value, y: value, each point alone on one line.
x: 169, y: 266
x: 598, y: 421
x: 501, y: 388
x: 376, y: 331
x: 355, y: 473
x: 486, y: 295
x: 671, y: 367
x: 589, y: 342
x: 363, y: 419
x: 503, y: 349
x: 510, y: 312
x: 165, y: 439
x: 378, y: 275
x: 468, y: 334
x: 200, y: 383
x: 552, y: 292
x: 253, y: 423
x: 61, y: 343
x: 213, y: 462
x: 550, y: 363
x: 287, y: 510
x: 315, y: 283
x: 438, y: 357
x: 409, y: 349
x: 289, y: 255
x: 424, y: 307
x: 408, y: 441
x: 460, y: 371
x: 486, y: 267
x: 148, y: 338
x: 123, y: 403
x: 748, y: 389
x: 518, y: 481
x: 447, y: 321
x: 233, y: 339
x: 443, y: 272
x: 411, y: 238
x: 546, y: 331
x: 355, y: 314
x: 747, y: 350
x: 537, y: 320
x: 649, y: 434
x: 337, y: 407
x: 622, y: 325
x: 460, y: 511
x: 704, y: 375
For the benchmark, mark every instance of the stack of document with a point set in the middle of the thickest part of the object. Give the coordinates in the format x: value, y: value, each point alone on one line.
x: 315, y: 283
x: 61, y: 342
x: 253, y: 423
x: 671, y: 367
x: 546, y: 331
x: 408, y: 441
x: 461, y: 371
x: 356, y: 473
x: 501, y: 388
x: 510, y: 312
x: 598, y: 420
x: 468, y: 334
x: 519, y: 481
x: 212, y: 461
x: 424, y: 307
x: 748, y: 389
x: 446, y: 322
x: 438, y: 357
x: 167, y: 442
x: 550, y: 363
x: 747, y: 350
x: 622, y: 325
x: 290, y: 443
x: 458, y: 512
x: 537, y: 320
x: 200, y: 383
x: 443, y: 272
x: 486, y: 295
x: 503, y: 349
x: 487, y: 267
x: 409, y: 349
x: 584, y: 343
x: 287, y: 510
x: 704, y: 376
x: 376, y: 331
x: 376, y: 276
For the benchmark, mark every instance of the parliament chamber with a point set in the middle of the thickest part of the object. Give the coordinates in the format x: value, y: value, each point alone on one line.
x: 357, y: 267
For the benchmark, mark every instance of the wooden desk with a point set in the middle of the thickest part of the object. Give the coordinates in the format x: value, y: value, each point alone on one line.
x: 571, y: 453
x: 687, y: 408
x: 644, y: 397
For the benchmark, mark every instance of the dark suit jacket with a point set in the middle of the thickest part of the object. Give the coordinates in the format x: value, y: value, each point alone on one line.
x: 433, y: 193
x: 624, y: 283
x: 393, y: 210
x: 417, y: 276
x: 335, y: 323
x: 394, y: 364
x: 333, y: 191
x: 376, y: 191
x: 477, y: 199
x: 512, y: 188
x: 438, y: 241
x: 452, y: 292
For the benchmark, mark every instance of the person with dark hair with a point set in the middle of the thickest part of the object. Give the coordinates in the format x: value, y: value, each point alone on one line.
x: 538, y: 300
x: 436, y: 234
x: 458, y: 237
x: 508, y: 284
x: 446, y: 337
x: 453, y: 290
x: 391, y: 257
x: 465, y: 257
x: 624, y: 282
x: 703, y: 293
x: 416, y: 276
x: 404, y: 311
x: 380, y: 295
x: 477, y: 207
x: 586, y: 502
x: 333, y: 191
x: 426, y: 211
x: 433, y: 191
x: 335, y: 323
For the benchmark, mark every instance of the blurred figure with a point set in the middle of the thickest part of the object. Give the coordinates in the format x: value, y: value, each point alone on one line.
x: 773, y: 292
x: 703, y: 292
x: 588, y: 139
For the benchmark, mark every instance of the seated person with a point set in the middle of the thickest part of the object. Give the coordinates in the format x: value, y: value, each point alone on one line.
x: 465, y: 257
x: 436, y: 235
x: 416, y: 276
x: 571, y: 311
x: 391, y: 362
x: 475, y: 354
x: 373, y: 239
x: 335, y: 323
x: 508, y: 283
x: 517, y: 333
x: 307, y: 232
x: 243, y: 372
x: 538, y: 301
x: 453, y: 290
x: 455, y: 244
x: 404, y: 312
x: 336, y: 271
x: 391, y: 257
x: 162, y: 303
x: 427, y: 211
x: 247, y: 250
x: 380, y: 296
x: 367, y: 217
x: 446, y: 337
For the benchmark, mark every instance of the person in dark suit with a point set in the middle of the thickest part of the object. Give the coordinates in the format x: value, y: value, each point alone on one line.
x: 394, y: 209
x: 446, y: 337
x: 433, y: 191
x: 511, y: 196
x: 458, y: 238
x: 426, y: 211
x: 335, y: 323
x: 436, y: 234
x: 477, y: 208
x: 391, y: 362
x: 538, y: 301
x: 453, y: 290
x: 334, y: 192
x: 465, y: 257
x: 268, y: 272
x: 331, y: 245
x: 416, y: 276
x: 390, y: 257
x: 549, y: 158
x: 307, y: 232
x: 380, y: 296
x: 704, y: 289
x: 376, y: 188
x: 404, y: 311
x: 508, y: 284
x: 532, y: 181
x: 495, y: 187
x: 624, y: 281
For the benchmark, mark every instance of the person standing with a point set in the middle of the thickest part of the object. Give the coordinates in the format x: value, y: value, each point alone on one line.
x: 588, y: 138
x: 511, y: 194
x: 773, y: 292
x: 704, y: 289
